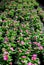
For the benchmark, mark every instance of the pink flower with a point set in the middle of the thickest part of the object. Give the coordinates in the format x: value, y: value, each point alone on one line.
x: 35, y: 43
x: 3, y: 20
x: 22, y: 42
x: 21, y: 30
x: 38, y: 44
x: 10, y: 63
x: 6, y: 39
x: 41, y: 48
x: 27, y: 52
x: 35, y: 37
x: 16, y: 16
x: 5, y: 52
x: 20, y: 50
x: 5, y: 57
x: 15, y: 21
x: 34, y: 57
x: 22, y: 25
x: 12, y: 48
x: 22, y: 61
x: 18, y: 41
x: 23, y: 56
x: 39, y: 62
x: 33, y: 64
x: 27, y: 31
x: 6, y: 32
x: 41, y: 32
x: 29, y: 63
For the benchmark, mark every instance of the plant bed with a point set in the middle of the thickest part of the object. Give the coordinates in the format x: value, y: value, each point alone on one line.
x: 21, y: 34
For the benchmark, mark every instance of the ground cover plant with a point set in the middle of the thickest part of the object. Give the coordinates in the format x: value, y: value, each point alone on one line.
x: 21, y: 32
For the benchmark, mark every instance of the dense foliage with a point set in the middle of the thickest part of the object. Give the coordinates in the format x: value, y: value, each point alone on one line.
x: 21, y: 32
